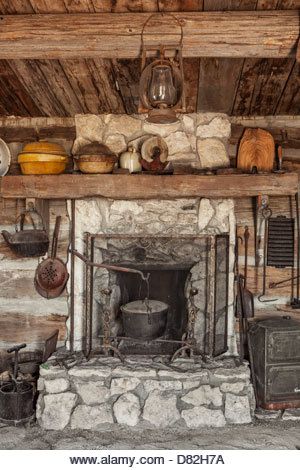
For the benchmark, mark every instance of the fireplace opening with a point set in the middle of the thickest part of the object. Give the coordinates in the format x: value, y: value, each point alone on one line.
x: 188, y: 273
x: 166, y: 285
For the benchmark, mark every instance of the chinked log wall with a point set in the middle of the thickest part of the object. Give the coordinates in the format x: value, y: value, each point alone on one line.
x: 26, y: 316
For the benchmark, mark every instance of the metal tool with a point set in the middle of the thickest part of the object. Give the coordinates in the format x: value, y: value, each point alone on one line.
x: 266, y: 214
x: 296, y: 301
x: 246, y: 240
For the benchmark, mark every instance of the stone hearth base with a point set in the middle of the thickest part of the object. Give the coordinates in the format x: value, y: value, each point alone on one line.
x: 143, y: 392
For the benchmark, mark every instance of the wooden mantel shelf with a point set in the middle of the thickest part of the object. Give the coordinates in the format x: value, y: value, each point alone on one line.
x: 141, y: 186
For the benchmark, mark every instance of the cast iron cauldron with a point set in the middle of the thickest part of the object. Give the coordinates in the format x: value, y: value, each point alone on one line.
x: 144, y: 319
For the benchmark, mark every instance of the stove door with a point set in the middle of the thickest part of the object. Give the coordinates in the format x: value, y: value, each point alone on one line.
x: 283, y: 383
x: 283, y: 346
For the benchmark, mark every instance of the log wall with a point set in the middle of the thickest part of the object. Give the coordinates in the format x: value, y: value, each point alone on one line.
x: 24, y: 315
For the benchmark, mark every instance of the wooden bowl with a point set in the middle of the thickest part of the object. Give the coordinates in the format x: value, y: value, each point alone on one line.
x: 96, y: 163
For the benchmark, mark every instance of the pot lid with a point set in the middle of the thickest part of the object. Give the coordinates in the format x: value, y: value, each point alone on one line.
x: 284, y: 323
x: 145, y: 306
x: 42, y: 146
x: 95, y: 148
x: 5, y: 158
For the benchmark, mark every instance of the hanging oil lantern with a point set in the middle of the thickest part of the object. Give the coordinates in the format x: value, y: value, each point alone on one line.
x: 161, y: 88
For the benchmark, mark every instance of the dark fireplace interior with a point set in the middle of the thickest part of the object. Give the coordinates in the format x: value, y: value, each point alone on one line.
x: 166, y: 285
x: 190, y: 274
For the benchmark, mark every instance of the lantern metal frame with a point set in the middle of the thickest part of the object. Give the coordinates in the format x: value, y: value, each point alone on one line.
x: 175, y: 62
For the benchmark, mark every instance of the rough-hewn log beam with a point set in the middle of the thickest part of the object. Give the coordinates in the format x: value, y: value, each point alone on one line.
x: 112, y: 35
x: 147, y: 186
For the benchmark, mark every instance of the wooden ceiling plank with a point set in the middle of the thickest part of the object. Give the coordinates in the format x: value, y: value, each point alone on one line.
x: 84, y: 85
x: 219, y: 77
x: 231, y: 5
x: 60, y: 86
x: 245, y: 90
x: 218, y: 82
x: 79, y: 6
x: 288, y: 4
x: 180, y: 5
x: 191, y: 81
x: 21, y: 7
x: 127, y: 73
x: 14, y: 97
x: 35, y: 83
x: 104, y: 79
x: 269, y: 85
x: 266, y: 4
x: 114, y: 35
x: 48, y: 6
x: 289, y: 102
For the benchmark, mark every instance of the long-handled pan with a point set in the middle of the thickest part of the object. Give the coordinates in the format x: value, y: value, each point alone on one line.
x: 51, y: 274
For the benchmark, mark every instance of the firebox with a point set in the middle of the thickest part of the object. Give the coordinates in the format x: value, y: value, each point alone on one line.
x: 188, y: 274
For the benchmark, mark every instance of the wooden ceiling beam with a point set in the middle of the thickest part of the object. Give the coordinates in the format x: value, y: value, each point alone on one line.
x: 118, y: 35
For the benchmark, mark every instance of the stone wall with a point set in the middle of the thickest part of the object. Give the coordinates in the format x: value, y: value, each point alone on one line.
x: 200, y: 140
x: 150, y: 218
x: 103, y: 392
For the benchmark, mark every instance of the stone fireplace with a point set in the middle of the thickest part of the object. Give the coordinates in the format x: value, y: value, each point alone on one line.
x: 187, y: 246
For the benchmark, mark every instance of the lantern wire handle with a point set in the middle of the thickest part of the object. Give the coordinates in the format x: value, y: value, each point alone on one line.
x: 161, y: 14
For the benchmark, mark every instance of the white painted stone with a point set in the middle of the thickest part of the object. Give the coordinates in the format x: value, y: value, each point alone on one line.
x: 201, y: 375
x: 161, y: 129
x: 127, y: 409
x: 218, y: 127
x: 291, y: 414
x: 235, y: 374
x: 188, y: 121
x: 129, y: 126
x: 189, y: 384
x: 89, y: 127
x: 234, y: 388
x: 116, y: 143
x: 200, y: 416
x: 178, y: 143
x: 267, y: 415
x: 93, y: 393
x: 57, y: 410
x: 123, y: 385
x: 204, y: 395
x: 40, y: 384
x: 51, y: 372
x: 56, y: 385
x: 150, y: 385
x: 205, y: 213
x: 212, y: 153
x: 160, y: 409
x: 91, y: 417
x: 92, y: 373
x: 139, y: 372
x: 126, y: 206
x: 237, y: 409
x: 183, y: 157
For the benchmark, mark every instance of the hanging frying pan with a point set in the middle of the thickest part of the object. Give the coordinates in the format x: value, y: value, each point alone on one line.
x: 51, y: 274
x: 5, y: 158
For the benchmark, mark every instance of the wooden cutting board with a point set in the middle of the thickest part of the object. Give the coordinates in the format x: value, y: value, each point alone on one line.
x: 256, y: 151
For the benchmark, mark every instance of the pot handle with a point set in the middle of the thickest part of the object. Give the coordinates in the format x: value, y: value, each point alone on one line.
x: 22, y: 219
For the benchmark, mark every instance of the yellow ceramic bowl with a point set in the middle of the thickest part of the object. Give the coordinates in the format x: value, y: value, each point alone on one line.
x: 42, y: 164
